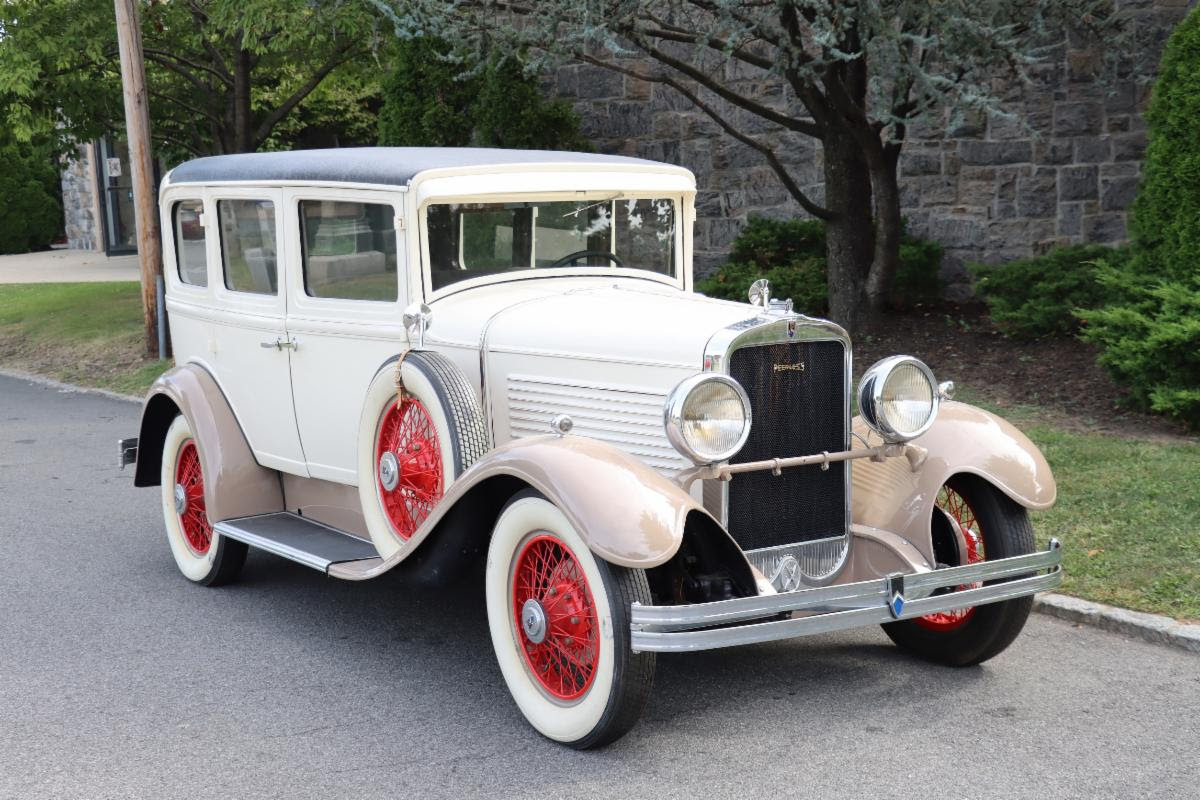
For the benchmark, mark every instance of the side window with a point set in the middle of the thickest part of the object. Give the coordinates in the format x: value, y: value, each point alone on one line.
x: 349, y: 250
x: 248, y: 245
x: 189, y: 243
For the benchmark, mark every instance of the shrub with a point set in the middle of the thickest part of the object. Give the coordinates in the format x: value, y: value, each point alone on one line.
x: 1151, y: 341
x: 791, y: 255
x: 434, y: 96
x: 1150, y: 332
x: 1036, y: 297
x: 30, y: 199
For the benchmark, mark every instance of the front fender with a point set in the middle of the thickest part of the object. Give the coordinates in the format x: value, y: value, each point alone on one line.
x: 235, y: 485
x: 628, y: 514
x: 891, y: 496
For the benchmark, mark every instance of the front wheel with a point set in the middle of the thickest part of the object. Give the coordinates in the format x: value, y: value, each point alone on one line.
x: 993, y: 527
x: 559, y: 619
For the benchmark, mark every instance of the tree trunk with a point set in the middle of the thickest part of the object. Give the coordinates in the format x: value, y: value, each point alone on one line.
x: 849, y: 233
x: 242, y: 133
x: 888, y: 230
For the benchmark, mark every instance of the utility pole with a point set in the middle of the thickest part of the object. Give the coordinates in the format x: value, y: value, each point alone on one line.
x: 141, y: 163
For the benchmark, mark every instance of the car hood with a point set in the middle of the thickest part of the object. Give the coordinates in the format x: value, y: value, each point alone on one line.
x: 615, y: 321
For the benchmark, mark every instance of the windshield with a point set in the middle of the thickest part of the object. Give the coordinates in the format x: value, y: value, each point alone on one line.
x: 469, y: 240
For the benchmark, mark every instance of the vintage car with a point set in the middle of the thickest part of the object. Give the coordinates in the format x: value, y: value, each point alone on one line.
x: 490, y: 363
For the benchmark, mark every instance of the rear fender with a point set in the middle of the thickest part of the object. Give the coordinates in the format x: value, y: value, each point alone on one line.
x: 235, y: 485
x: 628, y: 514
x: 891, y: 496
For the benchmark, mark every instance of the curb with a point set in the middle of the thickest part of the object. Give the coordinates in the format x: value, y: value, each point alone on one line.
x: 1153, y: 628
x: 68, y: 388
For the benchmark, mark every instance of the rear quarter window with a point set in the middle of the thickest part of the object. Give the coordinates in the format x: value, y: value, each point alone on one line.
x: 190, y: 256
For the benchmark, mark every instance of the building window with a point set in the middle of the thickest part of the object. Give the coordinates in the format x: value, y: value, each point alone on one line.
x: 189, y: 243
x: 349, y: 250
x: 248, y: 245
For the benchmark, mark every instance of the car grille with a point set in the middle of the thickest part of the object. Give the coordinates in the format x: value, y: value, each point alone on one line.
x: 796, y: 412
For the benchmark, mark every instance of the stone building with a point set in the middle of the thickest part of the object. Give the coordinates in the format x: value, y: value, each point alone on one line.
x: 986, y: 189
x: 98, y: 198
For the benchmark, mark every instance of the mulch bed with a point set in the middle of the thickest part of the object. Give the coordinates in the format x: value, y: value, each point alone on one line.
x: 1059, y: 375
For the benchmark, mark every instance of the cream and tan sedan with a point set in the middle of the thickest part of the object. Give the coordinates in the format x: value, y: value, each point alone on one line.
x: 465, y: 362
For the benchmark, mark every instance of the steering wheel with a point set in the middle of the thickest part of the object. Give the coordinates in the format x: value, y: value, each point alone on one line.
x: 571, y: 258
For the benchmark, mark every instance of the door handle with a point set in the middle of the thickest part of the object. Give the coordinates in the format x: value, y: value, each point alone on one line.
x: 291, y: 343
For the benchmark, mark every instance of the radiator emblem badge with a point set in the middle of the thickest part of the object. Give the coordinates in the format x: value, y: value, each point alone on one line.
x: 797, y: 367
x: 786, y: 577
x: 791, y: 329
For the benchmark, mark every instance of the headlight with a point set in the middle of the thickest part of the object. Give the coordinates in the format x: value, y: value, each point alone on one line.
x: 707, y: 417
x: 898, y: 398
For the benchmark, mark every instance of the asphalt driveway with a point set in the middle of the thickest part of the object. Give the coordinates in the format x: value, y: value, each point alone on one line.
x: 120, y: 679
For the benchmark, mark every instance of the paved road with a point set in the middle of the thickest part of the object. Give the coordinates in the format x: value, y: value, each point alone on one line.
x: 120, y: 679
x: 61, y: 265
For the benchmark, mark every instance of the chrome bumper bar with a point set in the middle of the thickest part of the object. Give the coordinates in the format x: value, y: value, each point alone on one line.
x: 673, y: 629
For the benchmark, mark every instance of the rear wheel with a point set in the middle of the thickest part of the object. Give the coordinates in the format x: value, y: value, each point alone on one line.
x: 994, y: 527
x: 559, y: 619
x: 202, y: 555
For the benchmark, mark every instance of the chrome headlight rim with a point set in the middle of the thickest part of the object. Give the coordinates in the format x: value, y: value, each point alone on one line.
x: 870, y: 397
x: 673, y: 417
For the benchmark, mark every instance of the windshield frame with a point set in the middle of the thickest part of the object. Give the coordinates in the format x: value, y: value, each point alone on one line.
x: 682, y: 224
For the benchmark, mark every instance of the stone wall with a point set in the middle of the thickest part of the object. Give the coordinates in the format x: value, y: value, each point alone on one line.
x: 80, y: 204
x: 986, y: 189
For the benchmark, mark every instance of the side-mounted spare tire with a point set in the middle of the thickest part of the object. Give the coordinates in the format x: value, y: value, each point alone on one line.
x: 412, y: 445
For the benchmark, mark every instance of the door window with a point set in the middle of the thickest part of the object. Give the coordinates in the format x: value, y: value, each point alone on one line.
x: 349, y: 250
x: 189, y: 243
x: 248, y: 245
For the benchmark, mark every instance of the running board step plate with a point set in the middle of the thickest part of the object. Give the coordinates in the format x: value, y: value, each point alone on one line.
x: 297, y: 539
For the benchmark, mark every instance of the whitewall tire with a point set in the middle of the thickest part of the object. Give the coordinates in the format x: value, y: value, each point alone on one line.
x: 202, y: 556
x: 559, y: 621
x: 410, y: 452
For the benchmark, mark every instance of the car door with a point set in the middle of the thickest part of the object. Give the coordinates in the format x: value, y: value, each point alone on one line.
x: 347, y: 272
x: 250, y: 346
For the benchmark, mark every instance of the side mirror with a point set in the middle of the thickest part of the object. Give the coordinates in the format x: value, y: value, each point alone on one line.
x: 760, y: 293
x: 418, y: 316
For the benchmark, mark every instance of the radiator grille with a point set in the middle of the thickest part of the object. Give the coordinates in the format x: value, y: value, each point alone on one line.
x: 796, y: 412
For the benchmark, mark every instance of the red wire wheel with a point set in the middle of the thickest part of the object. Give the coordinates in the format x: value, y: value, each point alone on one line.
x: 408, y: 435
x: 563, y: 651
x: 193, y: 519
x: 957, y: 506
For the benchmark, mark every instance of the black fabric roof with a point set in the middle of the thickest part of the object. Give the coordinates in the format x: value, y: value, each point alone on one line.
x: 392, y: 166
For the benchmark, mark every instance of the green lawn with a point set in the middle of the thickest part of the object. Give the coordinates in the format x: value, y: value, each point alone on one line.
x: 84, y: 333
x: 1128, y: 509
x: 1128, y: 513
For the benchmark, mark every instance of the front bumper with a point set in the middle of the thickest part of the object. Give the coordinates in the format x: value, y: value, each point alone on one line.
x: 706, y: 626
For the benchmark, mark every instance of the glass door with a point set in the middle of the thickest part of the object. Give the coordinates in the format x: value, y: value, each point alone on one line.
x: 120, y: 235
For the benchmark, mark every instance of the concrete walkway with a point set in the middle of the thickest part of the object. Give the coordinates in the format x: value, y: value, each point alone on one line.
x: 65, y: 266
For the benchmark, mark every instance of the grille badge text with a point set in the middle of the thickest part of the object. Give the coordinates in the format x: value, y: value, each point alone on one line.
x: 797, y: 367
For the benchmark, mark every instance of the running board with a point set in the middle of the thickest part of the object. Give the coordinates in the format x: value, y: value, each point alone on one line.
x: 298, y: 539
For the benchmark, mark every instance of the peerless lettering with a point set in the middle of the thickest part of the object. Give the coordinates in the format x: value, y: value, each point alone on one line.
x: 797, y: 367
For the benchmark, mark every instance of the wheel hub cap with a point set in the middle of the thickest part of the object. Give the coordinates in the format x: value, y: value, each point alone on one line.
x: 180, y: 496
x: 389, y: 471
x: 533, y: 621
